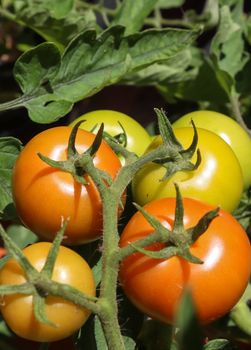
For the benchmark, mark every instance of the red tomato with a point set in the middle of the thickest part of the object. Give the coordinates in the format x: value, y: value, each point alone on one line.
x: 43, y: 194
x: 156, y: 286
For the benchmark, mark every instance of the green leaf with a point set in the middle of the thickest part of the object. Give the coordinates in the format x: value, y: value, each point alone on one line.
x: 21, y: 235
x: 97, y: 272
x: 164, y: 72
x: 88, y: 64
x: 218, y: 344
x: 37, y: 67
x: 58, y: 8
x: 189, y: 334
x: 226, y: 44
x: 34, y: 71
x: 129, y: 343
x: 132, y: 14
x: 57, y: 21
x: 165, y: 4
x: 9, y: 150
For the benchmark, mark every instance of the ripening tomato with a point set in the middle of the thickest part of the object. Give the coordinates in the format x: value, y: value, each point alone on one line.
x: 229, y: 130
x: 218, y: 179
x: 156, y: 286
x: 116, y: 123
x: 17, y: 309
x: 2, y: 252
x: 43, y: 194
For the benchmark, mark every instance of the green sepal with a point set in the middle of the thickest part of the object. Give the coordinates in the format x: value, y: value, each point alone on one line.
x: 177, y: 158
x: 39, y: 310
x: 164, y: 253
x: 8, y: 289
x: 203, y: 224
x: 48, y: 267
x: 155, y: 223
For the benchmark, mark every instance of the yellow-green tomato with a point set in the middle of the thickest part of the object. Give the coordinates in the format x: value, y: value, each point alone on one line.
x: 116, y: 123
x: 17, y: 309
x: 229, y: 130
x: 218, y: 179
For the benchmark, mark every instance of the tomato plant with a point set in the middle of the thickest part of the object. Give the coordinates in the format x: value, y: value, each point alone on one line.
x: 218, y: 179
x: 17, y: 309
x: 125, y: 129
x: 43, y: 194
x: 155, y: 286
x: 229, y: 130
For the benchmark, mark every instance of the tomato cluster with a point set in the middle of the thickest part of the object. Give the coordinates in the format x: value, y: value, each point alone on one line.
x: 43, y: 195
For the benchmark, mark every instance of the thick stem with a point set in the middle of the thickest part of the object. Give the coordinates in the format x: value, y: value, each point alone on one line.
x: 110, y: 266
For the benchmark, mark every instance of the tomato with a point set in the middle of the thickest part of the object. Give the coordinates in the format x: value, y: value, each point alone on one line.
x: 17, y: 309
x: 2, y: 252
x: 43, y: 194
x: 218, y: 179
x: 156, y: 286
x: 229, y: 130
x: 137, y: 138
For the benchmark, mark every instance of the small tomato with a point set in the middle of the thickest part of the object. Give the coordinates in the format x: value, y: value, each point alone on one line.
x: 156, y: 286
x: 17, y: 309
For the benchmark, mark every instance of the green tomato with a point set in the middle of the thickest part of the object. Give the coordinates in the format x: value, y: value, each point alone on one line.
x: 229, y: 130
x: 128, y: 131
x: 218, y: 179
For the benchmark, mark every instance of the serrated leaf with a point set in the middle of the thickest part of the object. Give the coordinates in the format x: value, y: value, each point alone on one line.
x: 57, y: 21
x: 132, y: 14
x: 9, y: 150
x: 36, y: 68
x: 89, y: 64
x: 226, y: 44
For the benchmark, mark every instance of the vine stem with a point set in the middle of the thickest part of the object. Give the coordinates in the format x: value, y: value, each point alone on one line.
x: 235, y: 105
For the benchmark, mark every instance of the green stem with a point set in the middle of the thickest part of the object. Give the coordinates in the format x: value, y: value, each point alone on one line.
x: 235, y: 105
x: 110, y: 266
x: 13, y: 104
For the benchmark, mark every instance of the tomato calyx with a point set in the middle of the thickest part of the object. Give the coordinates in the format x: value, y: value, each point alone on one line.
x: 178, y: 158
x: 39, y: 283
x: 177, y: 242
x: 76, y: 164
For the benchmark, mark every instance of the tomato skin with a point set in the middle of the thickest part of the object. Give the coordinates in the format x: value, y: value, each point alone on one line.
x: 155, y: 286
x: 2, y: 252
x: 17, y: 309
x: 212, y: 182
x: 137, y: 137
x: 43, y: 194
x: 229, y: 130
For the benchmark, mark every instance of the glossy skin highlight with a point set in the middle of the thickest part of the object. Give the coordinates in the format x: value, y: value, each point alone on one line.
x: 43, y: 194
x: 17, y: 309
x: 229, y: 130
x: 155, y: 286
x: 218, y: 179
